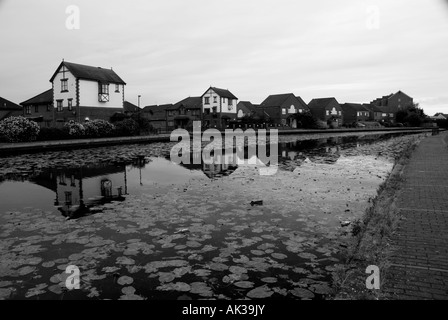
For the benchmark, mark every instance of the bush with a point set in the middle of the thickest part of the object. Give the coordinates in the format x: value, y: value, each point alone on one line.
x: 322, y: 124
x: 306, y: 121
x: 127, y: 127
x: 98, y: 129
x: 19, y: 129
x: 47, y: 134
x: 74, y: 129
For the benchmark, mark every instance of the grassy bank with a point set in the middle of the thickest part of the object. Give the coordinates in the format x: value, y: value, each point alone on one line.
x: 370, y: 240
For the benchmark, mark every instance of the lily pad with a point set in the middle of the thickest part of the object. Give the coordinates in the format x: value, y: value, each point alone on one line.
x: 237, y: 270
x: 166, y: 277
x: 125, y: 280
x: 218, y: 267
x: 279, y: 256
x: 269, y: 280
x: 244, y: 284
x: 302, y: 293
x: 260, y: 293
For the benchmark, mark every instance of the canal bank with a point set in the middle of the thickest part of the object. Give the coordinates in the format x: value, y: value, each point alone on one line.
x: 39, y: 146
x: 404, y: 231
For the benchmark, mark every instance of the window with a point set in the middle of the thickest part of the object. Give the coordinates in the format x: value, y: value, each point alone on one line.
x: 215, y: 109
x: 358, y: 114
x: 207, y: 100
x: 300, y: 110
x: 28, y: 110
x: 391, y: 115
x: 215, y: 99
x: 340, y: 113
x: 170, y: 123
x: 68, y: 198
x: 104, y: 88
x: 117, y: 88
x: 283, y: 111
x: 103, y: 94
x: 60, y: 107
x: 48, y: 107
x: 64, y: 85
x: 70, y: 104
x: 36, y: 109
x: 328, y: 112
x: 384, y: 115
x: 224, y: 100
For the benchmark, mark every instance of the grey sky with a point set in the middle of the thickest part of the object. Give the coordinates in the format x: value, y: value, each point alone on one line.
x: 167, y: 50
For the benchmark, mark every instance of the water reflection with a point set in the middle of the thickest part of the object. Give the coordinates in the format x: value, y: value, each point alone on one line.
x: 77, y: 190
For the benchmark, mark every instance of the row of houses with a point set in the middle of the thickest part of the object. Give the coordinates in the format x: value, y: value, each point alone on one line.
x: 82, y: 93
x: 219, y: 108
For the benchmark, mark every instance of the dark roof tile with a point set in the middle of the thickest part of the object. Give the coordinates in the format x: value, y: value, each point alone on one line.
x: 90, y: 73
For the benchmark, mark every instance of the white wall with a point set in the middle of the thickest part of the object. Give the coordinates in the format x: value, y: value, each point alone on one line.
x: 219, y: 104
x: 71, y: 94
x: 88, y: 95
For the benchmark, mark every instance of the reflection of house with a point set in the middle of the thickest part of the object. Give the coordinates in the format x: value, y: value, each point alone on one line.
x: 40, y: 108
x: 213, y: 166
x: 9, y: 109
x: 83, y: 92
x: 182, y: 114
x: 219, y: 107
x: 78, y: 189
x: 355, y: 112
x: 281, y: 108
x: 327, y: 110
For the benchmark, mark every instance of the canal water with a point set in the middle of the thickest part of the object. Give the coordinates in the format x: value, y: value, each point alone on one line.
x: 138, y: 226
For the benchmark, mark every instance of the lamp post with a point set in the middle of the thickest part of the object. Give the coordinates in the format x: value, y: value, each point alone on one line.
x: 139, y: 101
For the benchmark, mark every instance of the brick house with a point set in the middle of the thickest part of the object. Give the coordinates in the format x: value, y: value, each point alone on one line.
x: 327, y: 110
x: 157, y: 116
x: 9, y: 109
x: 354, y: 112
x: 219, y: 107
x: 40, y: 109
x: 245, y: 108
x: 281, y: 108
x: 84, y: 93
x: 393, y: 103
x: 183, y: 113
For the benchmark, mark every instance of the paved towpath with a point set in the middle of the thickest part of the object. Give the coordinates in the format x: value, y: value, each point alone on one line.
x: 420, y: 263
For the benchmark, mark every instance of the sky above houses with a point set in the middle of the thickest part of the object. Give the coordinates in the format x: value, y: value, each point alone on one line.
x: 166, y: 50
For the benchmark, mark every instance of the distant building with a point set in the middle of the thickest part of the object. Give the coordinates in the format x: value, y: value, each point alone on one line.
x: 83, y: 93
x: 9, y: 109
x: 130, y: 108
x: 183, y: 113
x: 327, y: 110
x: 282, y: 108
x: 157, y: 116
x: 355, y: 112
x: 439, y: 116
x: 219, y: 107
x: 40, y: 109
x: 381, y: 114
x: 394, y: 102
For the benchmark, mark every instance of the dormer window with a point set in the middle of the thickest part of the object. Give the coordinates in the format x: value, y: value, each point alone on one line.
x: 64, y: 85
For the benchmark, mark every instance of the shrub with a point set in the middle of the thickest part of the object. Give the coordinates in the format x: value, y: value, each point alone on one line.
x: 47, y: 134
x: 127, y: 127
x: 306, y: 121
x: 98, y: 129
x: 74, y: 129
x: 19, y: 129
x: 321, y: 124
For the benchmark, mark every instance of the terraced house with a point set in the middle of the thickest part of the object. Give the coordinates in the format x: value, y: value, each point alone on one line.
x: 83, y: 93
x: 219, y: 107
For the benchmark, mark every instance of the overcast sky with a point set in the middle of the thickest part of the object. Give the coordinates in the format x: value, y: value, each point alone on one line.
x: 166, y: 50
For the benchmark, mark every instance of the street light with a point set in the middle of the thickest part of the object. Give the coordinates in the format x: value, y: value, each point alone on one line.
x: 139, y: 101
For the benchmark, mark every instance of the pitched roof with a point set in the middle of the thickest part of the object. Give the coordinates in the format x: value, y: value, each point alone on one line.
x: 157, y: 112
x: 190, y: 102
x: 84, y: 72
x: 249, y: 106
x: 303, y: 103
x: 321, y: 103
x: 130, y: 107
x: 276, y: 100
x: 223, y: 93
x: 8, y: 105
x: 354, y: 106
x: 42, y: 98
